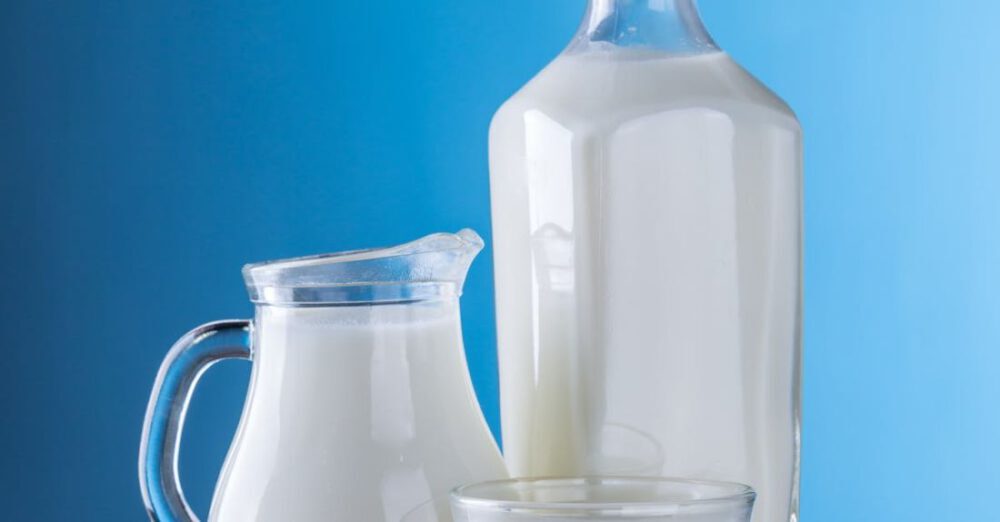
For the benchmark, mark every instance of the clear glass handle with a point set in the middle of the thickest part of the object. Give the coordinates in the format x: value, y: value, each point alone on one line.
x: 187, y: 360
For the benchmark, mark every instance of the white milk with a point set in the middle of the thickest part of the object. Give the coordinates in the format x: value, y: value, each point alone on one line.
x: 360, y: 413
x: 646, y: 239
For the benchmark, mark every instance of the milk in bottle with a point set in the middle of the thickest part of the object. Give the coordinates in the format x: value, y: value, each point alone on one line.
x: 646, y: 223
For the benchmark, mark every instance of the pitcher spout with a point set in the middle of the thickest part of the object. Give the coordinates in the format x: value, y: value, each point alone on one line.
x: 431, y: 267
x: 444, y: 257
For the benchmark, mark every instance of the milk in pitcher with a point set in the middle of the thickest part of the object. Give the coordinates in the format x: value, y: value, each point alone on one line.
x: 388, y: 383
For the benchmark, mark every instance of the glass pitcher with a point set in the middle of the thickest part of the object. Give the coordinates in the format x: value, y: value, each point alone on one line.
x: 646, y: 225
x: 360, y: 405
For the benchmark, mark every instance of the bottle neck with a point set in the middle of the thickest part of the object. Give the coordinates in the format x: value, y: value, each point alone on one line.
x: 671, y: 26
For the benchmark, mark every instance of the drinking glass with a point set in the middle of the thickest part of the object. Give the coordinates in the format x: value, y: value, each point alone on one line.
x: 609, y: 499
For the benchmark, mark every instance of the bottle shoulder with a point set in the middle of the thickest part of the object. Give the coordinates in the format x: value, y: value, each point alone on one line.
x: 589, y: 88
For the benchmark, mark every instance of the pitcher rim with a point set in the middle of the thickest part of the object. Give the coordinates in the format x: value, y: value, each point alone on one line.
x: 431, y: 267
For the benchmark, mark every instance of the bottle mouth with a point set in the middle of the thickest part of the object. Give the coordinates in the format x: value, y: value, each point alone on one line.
x: 433, y: 267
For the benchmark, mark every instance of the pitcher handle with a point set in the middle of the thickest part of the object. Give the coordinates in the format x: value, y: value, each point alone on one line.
x: 184, y: 364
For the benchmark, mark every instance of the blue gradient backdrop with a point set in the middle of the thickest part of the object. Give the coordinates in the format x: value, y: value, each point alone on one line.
x: 148, y: 149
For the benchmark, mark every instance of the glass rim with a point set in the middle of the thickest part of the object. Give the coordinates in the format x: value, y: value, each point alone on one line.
x: 429, y: 268
x: 729, y: 494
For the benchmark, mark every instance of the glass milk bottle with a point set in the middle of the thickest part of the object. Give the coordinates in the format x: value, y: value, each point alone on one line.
x: 646, y: 222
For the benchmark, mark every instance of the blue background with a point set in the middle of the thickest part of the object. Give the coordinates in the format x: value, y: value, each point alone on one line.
x: 148, y: 149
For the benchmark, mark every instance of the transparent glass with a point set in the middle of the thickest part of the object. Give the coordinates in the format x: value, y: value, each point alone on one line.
x: 647, y: 254
x: 603, y: 499
x: 360, y: 405
x: 662, y: 25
